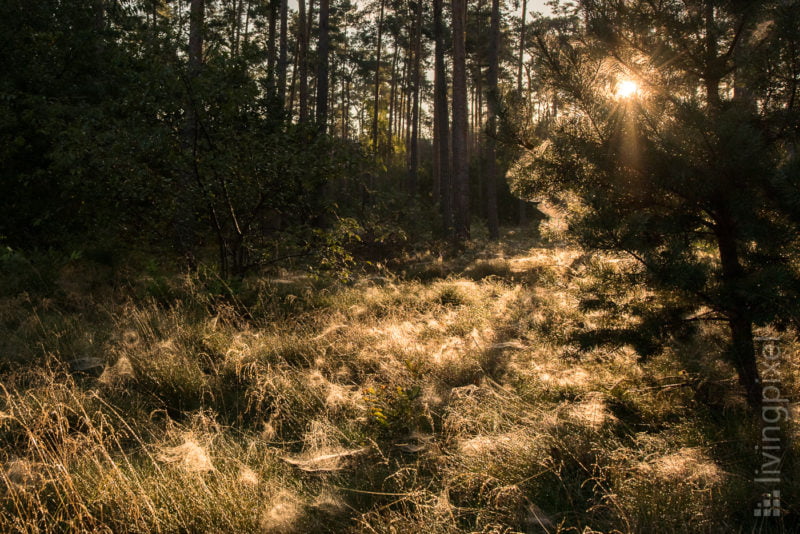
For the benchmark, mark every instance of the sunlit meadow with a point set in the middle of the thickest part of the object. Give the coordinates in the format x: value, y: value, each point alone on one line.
x: 440, y: 396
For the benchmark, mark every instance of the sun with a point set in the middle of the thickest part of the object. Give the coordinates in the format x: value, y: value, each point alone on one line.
x: 627, y: 89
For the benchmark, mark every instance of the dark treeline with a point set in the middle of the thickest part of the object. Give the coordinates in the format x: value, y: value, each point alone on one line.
x: 252, y: 131
x: 238, y: 125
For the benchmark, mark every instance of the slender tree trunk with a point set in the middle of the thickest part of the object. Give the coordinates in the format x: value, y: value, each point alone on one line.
x: 493, y: 100
x: 459, y: 140
x: 271, y: 50
x: 413, y: 169
x: 393, y: 98
x: 739, y: 314
x: 403, y: 88
x: 471, y: 110
x: 376, y: 95
x: 477, y: 153
x: 523, y: 211
x: 283, y: 63
x: 343, y: 87
x: 293, y: 87
x: 742, y: 349
x: 347, y: 108
x: 402, y: 122
x: 441, y: 134
x: 479, y: 114
x: 237, y: 26
x: 312, y: 87
x: 322, y: 67
x: 302, y: 61
x: 408, y: 110
x: 521, y: 56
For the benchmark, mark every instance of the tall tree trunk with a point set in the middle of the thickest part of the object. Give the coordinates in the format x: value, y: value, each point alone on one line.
x: 237, y: 26
x: 401, y: 123
x: 493, y: 101
x: 480, y: 189
x: 523, y: 211
x: 376, y: 95
x: 441, y: 134
x: 460, y: 164
x: 347, y: 108
x: 322, y: 67
x: 343, y: 86
x: 408, y: 109
x: 393, y: 98
x: 742, y: 349
x: 283, y: 63
x: 521, y: 56
x: 293, y: 87
x: 312, y: 77
x: 472, y: 111
x: 271, y: 50
x: 302, y: 60
x: 413, y: 169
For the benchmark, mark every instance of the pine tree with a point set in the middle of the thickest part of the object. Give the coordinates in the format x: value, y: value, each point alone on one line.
x: 461, y: 215
x: 699, y: 184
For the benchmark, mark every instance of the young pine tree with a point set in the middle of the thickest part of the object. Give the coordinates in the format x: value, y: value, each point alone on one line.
x: 678, y: 132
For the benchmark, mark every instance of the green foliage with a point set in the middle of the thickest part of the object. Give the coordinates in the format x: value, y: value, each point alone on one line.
x: 680, y: 176
x: 396, y: 409
x: 95, y: 143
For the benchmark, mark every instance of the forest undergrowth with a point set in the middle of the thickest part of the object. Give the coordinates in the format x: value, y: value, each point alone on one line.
x: 443, y: 395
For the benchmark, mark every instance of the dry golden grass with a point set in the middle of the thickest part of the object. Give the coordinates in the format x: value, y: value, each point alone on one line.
x: 445, y: 404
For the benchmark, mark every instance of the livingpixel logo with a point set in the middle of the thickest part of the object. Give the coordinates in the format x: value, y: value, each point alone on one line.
x: 774, y: 411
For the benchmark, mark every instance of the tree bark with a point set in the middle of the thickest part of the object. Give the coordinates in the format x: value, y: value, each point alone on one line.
x: 376, y: 95
x: 521, y: 56
x: 283, y: 63
x: 523, y: 212
x: 302, y: 61
x: 322, y: 67
x: 293, y: 87
x: 742, y: 349
x: 271, y: 50
x: 441, y: 127
x: 413, y: 169
x: 393, y: 98
x: 237, y: 27
x: 459, y: 136
x: 493, y: 100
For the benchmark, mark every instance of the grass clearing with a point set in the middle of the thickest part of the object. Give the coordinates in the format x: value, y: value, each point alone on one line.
x: 450, y: 403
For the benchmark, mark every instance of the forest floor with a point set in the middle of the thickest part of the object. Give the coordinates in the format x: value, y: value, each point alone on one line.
x: 442, y: 396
